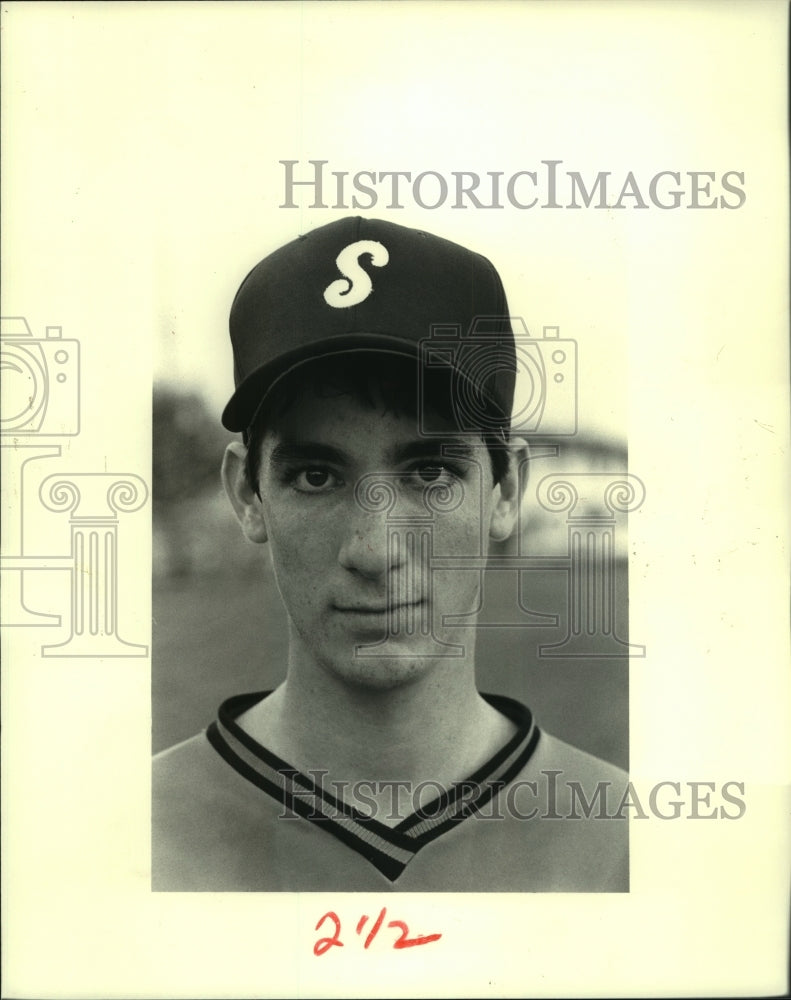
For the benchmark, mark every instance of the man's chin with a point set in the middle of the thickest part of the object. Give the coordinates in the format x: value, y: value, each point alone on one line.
x: 370, y: 672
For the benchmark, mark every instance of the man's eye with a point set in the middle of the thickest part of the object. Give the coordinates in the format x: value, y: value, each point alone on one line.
x: 315, y: 480
x: 433, y: 472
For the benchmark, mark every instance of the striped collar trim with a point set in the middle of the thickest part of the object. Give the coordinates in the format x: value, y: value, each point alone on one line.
x: 389, y: 849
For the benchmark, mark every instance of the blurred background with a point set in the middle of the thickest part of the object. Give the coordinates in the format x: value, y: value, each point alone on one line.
x: 219, y: 626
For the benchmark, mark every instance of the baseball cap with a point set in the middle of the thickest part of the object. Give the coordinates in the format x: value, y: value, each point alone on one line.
x: 360, y: 283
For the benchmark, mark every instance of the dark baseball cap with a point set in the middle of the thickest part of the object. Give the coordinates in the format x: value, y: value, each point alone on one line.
x: 364, y: 284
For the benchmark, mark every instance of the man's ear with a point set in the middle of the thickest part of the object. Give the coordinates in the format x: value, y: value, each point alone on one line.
x: 246, y: 504
x: 509, y: 492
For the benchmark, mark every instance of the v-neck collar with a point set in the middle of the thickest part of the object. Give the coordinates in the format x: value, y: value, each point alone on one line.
x: 389, y: 849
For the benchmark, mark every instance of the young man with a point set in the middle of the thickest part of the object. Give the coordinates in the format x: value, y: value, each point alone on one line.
x: 375, y: 370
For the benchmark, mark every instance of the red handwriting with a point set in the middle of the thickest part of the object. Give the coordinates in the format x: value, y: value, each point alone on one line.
x: 324, y: 944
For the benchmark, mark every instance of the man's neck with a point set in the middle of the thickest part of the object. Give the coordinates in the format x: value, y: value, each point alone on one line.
x: 437, y: 729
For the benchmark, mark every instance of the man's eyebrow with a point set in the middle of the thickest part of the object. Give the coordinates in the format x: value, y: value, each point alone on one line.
x: 435, y: 448
x: 307, y: 451
x: 288, y: 452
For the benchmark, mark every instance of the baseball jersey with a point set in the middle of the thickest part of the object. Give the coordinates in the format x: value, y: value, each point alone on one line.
x: 539, y: 816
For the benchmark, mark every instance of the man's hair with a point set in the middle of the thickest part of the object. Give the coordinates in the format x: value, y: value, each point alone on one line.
x: 372, y: 379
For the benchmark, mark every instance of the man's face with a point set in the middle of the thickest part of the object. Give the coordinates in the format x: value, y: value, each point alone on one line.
x: 356, y: 507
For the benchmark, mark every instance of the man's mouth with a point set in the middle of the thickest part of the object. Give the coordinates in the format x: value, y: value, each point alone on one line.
x: 377, y: 609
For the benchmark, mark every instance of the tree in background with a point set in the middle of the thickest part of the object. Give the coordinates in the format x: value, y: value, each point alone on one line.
x: 188, y: 443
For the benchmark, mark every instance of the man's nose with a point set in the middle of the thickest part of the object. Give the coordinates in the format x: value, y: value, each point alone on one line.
x: 367, y: 547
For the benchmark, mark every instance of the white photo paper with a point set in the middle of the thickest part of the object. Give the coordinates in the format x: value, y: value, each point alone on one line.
x: 624, y: 167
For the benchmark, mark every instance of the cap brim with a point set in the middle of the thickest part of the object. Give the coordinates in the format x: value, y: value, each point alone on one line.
x: 246, y: 401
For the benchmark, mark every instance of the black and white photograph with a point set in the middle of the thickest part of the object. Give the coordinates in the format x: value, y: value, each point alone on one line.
x: 395, y: 460
x: 379, y: 467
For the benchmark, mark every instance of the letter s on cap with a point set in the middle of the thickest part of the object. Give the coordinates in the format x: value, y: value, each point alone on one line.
x: 355, y: 286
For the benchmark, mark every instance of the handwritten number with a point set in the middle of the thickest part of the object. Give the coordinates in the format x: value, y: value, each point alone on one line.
x: 324, y: 944
x: 376, y: 926
x: 406, y: 942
